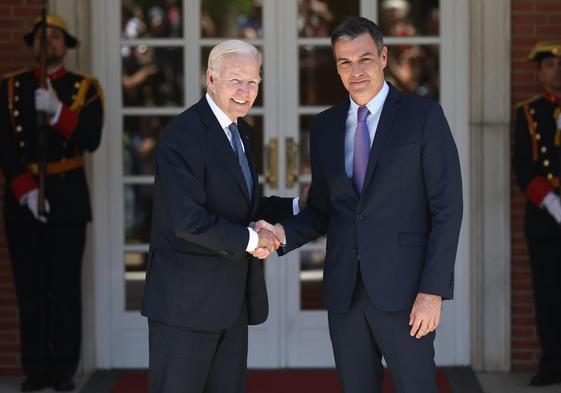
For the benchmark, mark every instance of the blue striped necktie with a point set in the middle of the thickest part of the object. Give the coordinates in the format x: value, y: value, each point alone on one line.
x: 241, y: 157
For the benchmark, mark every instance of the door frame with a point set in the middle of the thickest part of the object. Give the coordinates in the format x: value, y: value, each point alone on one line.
x: 486, y: 20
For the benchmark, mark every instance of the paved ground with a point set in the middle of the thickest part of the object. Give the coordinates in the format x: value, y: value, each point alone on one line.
x: 490, y: 383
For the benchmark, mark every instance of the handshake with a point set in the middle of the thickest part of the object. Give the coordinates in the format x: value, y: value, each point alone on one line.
x: 270, y: 238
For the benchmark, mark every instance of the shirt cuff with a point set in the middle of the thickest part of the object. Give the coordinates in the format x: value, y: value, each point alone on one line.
x: 295, y: 206
x: 253, y: 240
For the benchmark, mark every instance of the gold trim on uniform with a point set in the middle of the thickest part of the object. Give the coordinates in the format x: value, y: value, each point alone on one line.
x: 16, y: 113
x: 546, y: 163
x: 19, y: 129
x: 543, y: 149
x: 538, y: 137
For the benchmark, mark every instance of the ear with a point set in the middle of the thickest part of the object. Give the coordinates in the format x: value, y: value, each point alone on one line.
x: 210, y: 78
x: 384, y: 56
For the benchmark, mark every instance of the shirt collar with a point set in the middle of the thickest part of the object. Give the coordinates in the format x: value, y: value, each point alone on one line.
x: 59, y: 73
x: 222, y: 118
x: 552, y: 97
x: 375, y: 103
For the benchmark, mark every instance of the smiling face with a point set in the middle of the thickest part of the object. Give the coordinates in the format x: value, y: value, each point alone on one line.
x: 360, y: 66
x: 234, y: 83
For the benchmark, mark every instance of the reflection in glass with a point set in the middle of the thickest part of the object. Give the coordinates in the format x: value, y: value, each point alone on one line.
x: 305, y: 168
x: 311, y: 279
x: 152, y: 76
x: 140, y: 136
x: 204, y: 64
x: 414, y: 69
x: 136, y: 264
x: 138, y: 213
x: 319, y: 82
x: 318, y: 18
x: 405, y: 18
x: 232, y: 19
x: 151, y: 18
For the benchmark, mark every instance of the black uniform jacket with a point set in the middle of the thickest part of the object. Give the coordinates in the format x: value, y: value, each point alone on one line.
x: 78, y: 129
x: 537, y: 161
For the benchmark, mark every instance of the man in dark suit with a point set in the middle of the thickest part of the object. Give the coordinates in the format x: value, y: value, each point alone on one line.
x: 46, y: 249
x: 386, y: 188
x: 537, y: 161
x: 203, y: 287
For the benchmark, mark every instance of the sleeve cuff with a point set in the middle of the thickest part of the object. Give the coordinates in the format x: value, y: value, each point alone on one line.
x: 253, y: 240
x: 537, y: 190
x: 66, y: 122
x: 22, y: 184
x: 295, y: 206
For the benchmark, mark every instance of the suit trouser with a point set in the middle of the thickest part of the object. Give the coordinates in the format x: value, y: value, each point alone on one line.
x: 185, y: 360
x: 545, y: 259
x: 46, y: 263
x: 363, y: 334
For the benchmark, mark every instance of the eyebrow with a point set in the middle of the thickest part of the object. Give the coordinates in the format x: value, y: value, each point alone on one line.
x: 365, y: 54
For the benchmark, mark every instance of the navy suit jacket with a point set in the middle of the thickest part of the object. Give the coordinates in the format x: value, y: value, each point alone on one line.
x: 199, y: 273
x: 403, y: 230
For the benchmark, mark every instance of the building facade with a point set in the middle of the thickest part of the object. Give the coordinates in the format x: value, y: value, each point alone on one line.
x: 150, y: 57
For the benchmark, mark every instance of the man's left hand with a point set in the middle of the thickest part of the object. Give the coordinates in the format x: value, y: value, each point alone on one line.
x: 425, y: 314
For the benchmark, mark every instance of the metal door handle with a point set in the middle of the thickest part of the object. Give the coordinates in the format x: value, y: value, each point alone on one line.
x: 292, y: 172
x: 272, y: 170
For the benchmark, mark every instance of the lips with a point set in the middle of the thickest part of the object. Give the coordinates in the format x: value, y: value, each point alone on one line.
x: 240, y: 102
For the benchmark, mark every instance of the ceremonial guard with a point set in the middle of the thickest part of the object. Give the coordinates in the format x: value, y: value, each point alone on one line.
x: 47, y: 206
x: 537, y: 166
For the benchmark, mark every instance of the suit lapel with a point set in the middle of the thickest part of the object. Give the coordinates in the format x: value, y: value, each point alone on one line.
x: 220, y: 142
x: 245, y: 133
x: 387, y: 117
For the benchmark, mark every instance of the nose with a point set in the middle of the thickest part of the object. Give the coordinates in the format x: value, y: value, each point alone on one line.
x: 244, y: 87
x: 356, y: 69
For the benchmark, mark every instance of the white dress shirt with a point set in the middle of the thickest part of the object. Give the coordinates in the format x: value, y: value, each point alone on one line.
x: 375, y: 106
x: 225, y: 121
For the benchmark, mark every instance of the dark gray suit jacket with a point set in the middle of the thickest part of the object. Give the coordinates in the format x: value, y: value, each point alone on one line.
x: 199, y: 273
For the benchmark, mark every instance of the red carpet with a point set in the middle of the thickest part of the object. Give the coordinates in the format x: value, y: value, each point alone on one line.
x: 276, y: 381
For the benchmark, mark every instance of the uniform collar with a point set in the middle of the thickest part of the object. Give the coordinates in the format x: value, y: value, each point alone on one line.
x: 59, y: 73
x: 552, y: 98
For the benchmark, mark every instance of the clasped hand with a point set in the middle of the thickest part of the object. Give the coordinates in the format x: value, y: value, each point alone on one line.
x: 270, y: 238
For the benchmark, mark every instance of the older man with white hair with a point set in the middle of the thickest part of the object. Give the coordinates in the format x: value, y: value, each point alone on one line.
x: 205, y: 283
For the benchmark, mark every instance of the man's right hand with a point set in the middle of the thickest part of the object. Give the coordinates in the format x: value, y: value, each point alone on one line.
x: 267, y: 243
x: 30, y: 200
x: 277, y: 230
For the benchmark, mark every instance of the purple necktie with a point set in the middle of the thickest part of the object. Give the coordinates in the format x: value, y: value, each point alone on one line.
x: 362, y: 149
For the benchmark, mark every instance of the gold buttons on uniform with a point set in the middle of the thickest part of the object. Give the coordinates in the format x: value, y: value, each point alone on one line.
x: 550, y: 175
x: 532, y: 111
x: 546, y: 163
x: 16, y: 84
x: 19, y: 129
x: 77, y: 85
x: 16, y: 98
x: 538, y: 137
x: 22, y: 144
x: 543, y: 149
x: 16, y: 113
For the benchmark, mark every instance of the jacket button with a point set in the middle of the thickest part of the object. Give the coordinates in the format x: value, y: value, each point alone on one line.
x: 355, y: 250
x: 360, y: 217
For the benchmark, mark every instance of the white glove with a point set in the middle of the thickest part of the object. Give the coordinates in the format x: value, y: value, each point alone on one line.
x: 553, y: 205
x: 47, y: 101
x: 30, y: 199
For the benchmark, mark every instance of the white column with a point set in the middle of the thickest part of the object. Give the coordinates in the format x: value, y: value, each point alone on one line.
x: 490, y: 138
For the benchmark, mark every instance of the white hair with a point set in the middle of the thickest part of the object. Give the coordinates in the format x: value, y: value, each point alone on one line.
x: 231, y: 47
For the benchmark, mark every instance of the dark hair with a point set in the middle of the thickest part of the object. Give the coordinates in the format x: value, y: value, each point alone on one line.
x: 354, y: 26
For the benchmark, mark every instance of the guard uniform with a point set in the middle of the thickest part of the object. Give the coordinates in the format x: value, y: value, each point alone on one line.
x: 537, y: 167
x: 46, y: 257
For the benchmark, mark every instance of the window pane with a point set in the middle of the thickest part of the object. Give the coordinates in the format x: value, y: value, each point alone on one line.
x: 317, y: 18
x: 138, y: 213
x: 311, y: 279
x: 151, y: 18
x: 135, y: 276
x: 152, y: 76
x: 305, y: 168
x: 414, y: 69
x: 231, y: 19
x: 409, y: 17
x: 204, y: 64
x: 319, y: 82
x: 140, y: 136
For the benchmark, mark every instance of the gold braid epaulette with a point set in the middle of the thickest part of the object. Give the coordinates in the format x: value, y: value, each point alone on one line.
x: 532, y: 130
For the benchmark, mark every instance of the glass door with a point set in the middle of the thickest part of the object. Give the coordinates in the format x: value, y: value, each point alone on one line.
x: 158, y: 58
